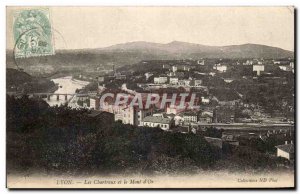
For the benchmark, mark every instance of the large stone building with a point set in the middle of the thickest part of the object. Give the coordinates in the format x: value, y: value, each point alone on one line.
x: 131, y: 115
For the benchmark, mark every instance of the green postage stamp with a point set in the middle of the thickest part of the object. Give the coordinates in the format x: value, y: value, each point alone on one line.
x: 32, y: 33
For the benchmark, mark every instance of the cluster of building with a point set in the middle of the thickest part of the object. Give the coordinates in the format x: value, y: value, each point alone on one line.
x: 166, y: 118
x: 175, y: 77
x: 260, y: 66
x: 172, y: 118
x: 175, y: 81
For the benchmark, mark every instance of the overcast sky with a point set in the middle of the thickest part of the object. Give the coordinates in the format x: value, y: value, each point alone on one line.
x: 94, y: 27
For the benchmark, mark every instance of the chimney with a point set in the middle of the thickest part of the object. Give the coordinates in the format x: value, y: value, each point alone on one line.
x: 286, y: 142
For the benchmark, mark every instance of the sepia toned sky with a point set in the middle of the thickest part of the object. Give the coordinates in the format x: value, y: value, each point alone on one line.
x: 94, y: 27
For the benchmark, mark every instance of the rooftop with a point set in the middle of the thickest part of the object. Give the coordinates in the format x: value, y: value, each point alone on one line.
x: 95, y: 113
x: 190, y: 114
x: 289, y: 148
x: 214, y: 141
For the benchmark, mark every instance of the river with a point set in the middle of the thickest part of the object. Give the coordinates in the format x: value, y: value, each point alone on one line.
x: 67, y: 85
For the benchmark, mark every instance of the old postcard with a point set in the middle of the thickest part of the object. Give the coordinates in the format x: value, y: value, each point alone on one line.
x: 150, y: 97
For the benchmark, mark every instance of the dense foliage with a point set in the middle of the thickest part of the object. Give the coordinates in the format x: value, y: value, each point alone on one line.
x: 68, y: 140
x: 64, y: 140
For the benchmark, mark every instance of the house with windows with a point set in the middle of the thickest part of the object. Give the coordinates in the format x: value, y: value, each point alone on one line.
x: 162, y: 122
x: 190, y: 117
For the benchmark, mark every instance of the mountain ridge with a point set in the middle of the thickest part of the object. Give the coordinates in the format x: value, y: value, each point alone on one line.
x: 186, y: 49
x: 134, y: 52
x: 169, y: 47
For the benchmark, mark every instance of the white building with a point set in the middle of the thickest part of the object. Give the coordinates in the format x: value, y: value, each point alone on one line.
x: 258, y: 68
x: 173, y: 80
x: 220, y: 68
x: 205, y: 100
x: 163, y: 123
x: 283, y: 67
x: 160, y: 80
x: 286, y: 151
x: 174, y: 68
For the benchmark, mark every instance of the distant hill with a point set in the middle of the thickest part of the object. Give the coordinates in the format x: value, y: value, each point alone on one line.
x: 134, y: 52
x: 190, y: 50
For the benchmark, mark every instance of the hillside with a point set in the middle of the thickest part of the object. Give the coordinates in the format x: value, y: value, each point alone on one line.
x: 19, y: 81
x: 15, y: 77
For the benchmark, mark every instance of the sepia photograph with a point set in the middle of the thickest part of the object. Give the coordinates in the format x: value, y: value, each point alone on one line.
x: 156, y: 97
